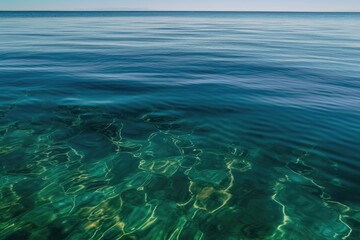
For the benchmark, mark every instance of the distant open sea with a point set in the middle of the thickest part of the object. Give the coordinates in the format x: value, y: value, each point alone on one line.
x: 179, y: 125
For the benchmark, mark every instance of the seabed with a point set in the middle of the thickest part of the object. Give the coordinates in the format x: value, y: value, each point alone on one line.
x: 83, y: 172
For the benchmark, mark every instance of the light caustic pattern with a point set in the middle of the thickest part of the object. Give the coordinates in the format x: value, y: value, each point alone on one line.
x: 88, y: 173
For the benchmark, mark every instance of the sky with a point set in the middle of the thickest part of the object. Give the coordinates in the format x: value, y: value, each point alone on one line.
x: 186, y: 5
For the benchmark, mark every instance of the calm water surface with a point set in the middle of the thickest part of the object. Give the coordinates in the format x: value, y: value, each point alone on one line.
x: 170, y: 125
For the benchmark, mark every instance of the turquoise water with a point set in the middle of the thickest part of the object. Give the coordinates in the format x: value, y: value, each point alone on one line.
x: 175, y: 125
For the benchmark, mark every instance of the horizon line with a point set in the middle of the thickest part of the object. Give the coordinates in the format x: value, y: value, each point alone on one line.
x: 231, y: 11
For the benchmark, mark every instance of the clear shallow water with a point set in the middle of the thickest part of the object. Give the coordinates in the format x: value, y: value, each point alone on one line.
x: 179, y: 125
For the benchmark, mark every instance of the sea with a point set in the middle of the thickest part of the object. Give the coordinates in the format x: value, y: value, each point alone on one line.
x: 179, y: 125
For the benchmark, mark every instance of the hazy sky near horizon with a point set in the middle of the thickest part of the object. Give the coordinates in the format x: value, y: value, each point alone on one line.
x: 212, y: 5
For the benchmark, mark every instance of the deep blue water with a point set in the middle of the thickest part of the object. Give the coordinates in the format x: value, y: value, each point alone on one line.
x: 179, y: 125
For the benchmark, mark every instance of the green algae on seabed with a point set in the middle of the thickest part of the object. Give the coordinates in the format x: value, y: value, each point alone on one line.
x: 86, y: 173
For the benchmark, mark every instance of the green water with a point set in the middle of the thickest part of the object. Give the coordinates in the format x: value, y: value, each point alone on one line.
x: 88, y: 173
